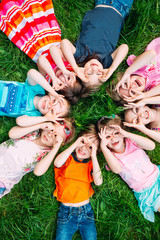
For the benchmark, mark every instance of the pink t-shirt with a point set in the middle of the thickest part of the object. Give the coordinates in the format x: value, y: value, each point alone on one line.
x: 137, y: 169
x: 150, y: 72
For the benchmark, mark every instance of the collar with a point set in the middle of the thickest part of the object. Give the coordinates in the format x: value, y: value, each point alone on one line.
x: 76, y: 159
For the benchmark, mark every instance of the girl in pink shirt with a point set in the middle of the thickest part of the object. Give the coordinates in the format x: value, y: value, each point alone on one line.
x: 142, y: 77
x: 125, y: 156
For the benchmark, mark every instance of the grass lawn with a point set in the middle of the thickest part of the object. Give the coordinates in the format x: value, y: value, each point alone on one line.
x: 29, y: 211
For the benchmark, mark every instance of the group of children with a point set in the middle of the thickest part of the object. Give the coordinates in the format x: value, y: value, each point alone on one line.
x: 67, y: 73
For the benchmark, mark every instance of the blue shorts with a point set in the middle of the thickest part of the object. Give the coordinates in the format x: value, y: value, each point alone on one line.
x: 149, y: 199
x: 122, y: 6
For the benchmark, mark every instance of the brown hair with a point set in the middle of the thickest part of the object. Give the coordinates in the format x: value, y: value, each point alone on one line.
x: 73, y: 94
x: 110, y: 90
x: 91, y: 130
x: 107, y: 121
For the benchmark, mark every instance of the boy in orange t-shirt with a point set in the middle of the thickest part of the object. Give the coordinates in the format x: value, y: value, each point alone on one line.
x: 75, y: 169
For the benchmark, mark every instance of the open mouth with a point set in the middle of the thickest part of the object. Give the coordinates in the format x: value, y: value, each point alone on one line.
x: 146, y: 114
x: 81, y: 152
x: 45, y: 138
x: 115, y: 143
x: 44, y: 105
x: 138, y: 83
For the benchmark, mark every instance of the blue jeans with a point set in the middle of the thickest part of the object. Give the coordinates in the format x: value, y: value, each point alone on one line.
x: 71, y: 219
x: 122, y: 6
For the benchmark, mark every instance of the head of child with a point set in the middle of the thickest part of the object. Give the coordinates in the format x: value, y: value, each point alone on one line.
x: 93, y: 71
x: 74, y: 93
x: 63, y: 128
x: 116, y: 141
x: 61, y: 83
x: 146, y: 114
x: 58, y: 104
x: 136, y: 83
x: 89, y: 139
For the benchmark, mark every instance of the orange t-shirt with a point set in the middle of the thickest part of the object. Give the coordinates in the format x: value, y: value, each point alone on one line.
x: 73, y: 181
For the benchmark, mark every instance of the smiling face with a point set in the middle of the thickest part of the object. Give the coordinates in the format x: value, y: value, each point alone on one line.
x: 116, y: 140
x: 146, y: 114
x: 58, y: 104
x: 93, y: 71
x: 136, y: 83
x: 48, y: 138
x: 83, y: 151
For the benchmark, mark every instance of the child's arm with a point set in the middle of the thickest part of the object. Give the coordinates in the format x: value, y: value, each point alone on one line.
x: 63, y: 156
x: 34, y: 77
x: 155, y: 135
x: 42, y: 166
x: 143, y: 102
x: 111, y: 160
x: 18, y: 132
x: 25, y: 121
x: 140, y: 61
x: 45, y: 67
x: 97, y: 175
x: 68, y: 50
x: 142, y: 142
x: 118, y: 55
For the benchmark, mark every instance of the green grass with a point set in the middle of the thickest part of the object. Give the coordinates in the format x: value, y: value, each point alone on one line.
x: 29, y: 211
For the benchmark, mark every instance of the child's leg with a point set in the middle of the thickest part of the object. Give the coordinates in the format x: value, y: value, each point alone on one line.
x: 123, y: 6
x: 66, y: 223
x: 87, y: 226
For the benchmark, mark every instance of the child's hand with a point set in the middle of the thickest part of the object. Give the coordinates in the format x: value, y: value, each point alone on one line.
x: 93, y: 150
x: 107, y: 73
x: 124, y: 82
x: 48, y: 126
x: 80, y: 73
x: 134, y: 106
x: 58, y: 141
x: 136, y: 95
x: 52, y: 117
x: 118, y: 130
x: 137, y: 124
x: 104, y: 139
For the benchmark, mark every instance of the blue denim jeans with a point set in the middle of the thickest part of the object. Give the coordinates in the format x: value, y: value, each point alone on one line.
x: 71, y: 219
x: 122, y: 6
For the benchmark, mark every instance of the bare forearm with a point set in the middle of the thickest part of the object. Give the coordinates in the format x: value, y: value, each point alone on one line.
x: 97, y: 174
x: 35, y: 77
x: 112, y: 162
x: 57, y: 57
x: 141, y: 60
x: 141, y: 141
x: 25, y: 121
x: 62, y: 157
x: 44, y: 164
x: 68, y: 50
x: 118, y: 55
x: 151, y: 100
x: 18, y: 132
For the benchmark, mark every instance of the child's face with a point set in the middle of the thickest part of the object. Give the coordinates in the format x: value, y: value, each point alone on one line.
x: 93, y: 71
x: 83, y: 151
x: 60, y: 76
x: 116, y: 140
x: 136, y: 83
x: 48, y: 138
x: 58, y: 104
x: 145, y: 113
